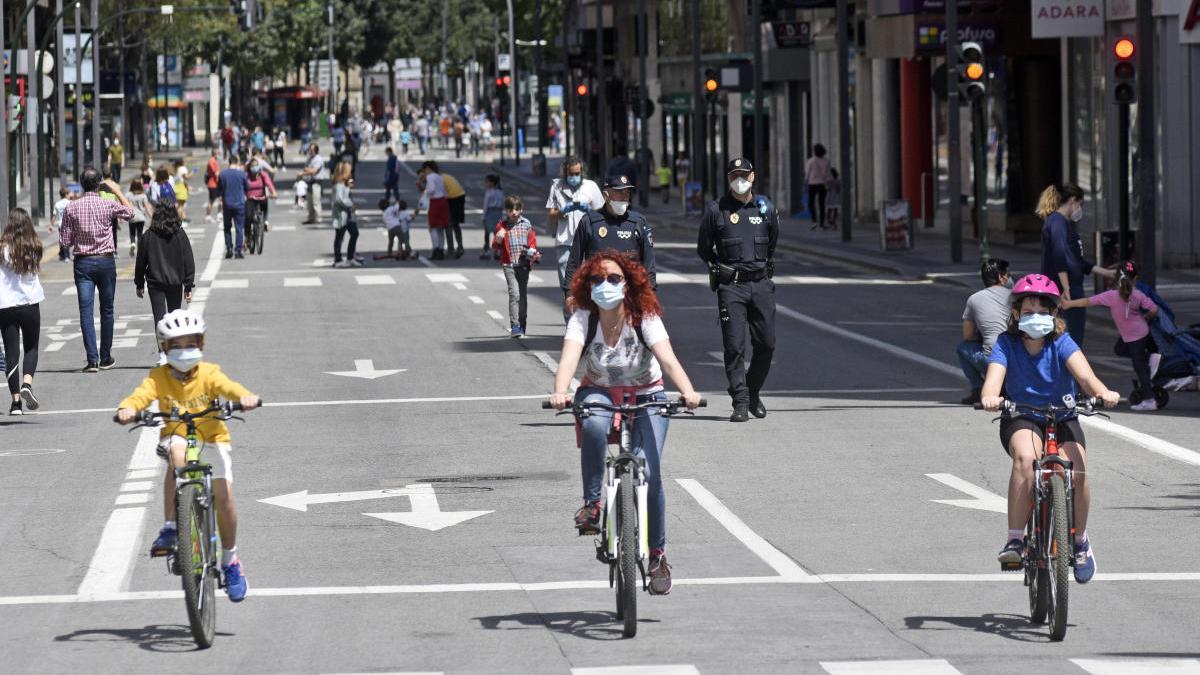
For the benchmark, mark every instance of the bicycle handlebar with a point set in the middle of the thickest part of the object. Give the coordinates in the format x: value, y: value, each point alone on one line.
x: 225, y: 411
x: 670, y: 406
x: 1084, y: 407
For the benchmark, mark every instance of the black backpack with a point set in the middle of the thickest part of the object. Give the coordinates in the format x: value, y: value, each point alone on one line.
x: 594, y: 325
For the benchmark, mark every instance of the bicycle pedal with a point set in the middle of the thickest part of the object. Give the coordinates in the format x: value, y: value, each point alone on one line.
x: 160, y: 552
x: 1011, y: 567
x: 585, y: 531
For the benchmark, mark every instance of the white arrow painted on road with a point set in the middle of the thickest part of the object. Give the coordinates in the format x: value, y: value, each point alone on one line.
x: 425, y: 512
x: 365, y: 368
x: 982, y: 500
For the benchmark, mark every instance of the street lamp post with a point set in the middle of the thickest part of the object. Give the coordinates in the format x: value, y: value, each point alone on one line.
x: 78, y: 154
x: 95, y: 20
x: 512, y: 90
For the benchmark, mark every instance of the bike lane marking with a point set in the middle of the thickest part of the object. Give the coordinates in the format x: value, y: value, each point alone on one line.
x: 1141, y: 666
x: 112, y: 563
x: 904, y: 667
x: 680, y: 669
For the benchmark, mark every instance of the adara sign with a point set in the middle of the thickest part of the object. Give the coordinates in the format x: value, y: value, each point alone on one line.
x: 1189, y: 22
x: 1067, y: 18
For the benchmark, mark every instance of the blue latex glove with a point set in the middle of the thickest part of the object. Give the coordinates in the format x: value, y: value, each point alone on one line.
x: 568, y: 208
x: 582, y: 207
x: 762, y: 205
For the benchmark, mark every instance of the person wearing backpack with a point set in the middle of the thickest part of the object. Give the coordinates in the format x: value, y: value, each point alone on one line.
x: 165, y: 265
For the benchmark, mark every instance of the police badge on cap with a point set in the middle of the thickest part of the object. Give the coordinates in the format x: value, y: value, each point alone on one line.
x: 739, y: 165
x: 618, y: 182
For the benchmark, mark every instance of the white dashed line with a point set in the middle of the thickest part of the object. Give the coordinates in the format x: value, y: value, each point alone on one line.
x: 445, y: 277
x: 495, y: 315
x: 475, y: 299
x: 231, y: 283
x: 374, y: 279
x: 291, y: 282
x: 459, y: 286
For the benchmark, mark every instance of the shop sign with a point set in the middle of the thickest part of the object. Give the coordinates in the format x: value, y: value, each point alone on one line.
x: 676, y: 104
x: 931, y: 35
x: 1189, y: 22
x: 789, y: 34
x: 748, y: 105
x: 1066, y: 18
x: 1121, y: 10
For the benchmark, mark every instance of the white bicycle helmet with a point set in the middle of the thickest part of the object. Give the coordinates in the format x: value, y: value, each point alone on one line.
x: 179, y: 323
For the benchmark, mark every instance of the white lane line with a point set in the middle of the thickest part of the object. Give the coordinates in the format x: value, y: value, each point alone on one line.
x: 983, y: 500
x: 70, y: 290
x: 214, y: 262
x: 426, y: 262
x: 460, y: 286
x: 1145, y: 666
x: 231, y: 283
x: 137, y: 474
x: 445, y: 277
x: 859, y: 281
x: 112, y: 563
x: 778, y: 560
x: 283, y: 228
x: 682, y: 669
x: 136, y: 486
x: 923, y: 324
x: 294, y: 404
x: 533, y: 278
x: 907, y: 667
x: 901, y: 390
x: 1145, y: 441
x: 496, y: 315
x: 138, y: 498
x: 475, y: 299
x: 293, y: 282
x: 374, y: 279
x: 552, y: 366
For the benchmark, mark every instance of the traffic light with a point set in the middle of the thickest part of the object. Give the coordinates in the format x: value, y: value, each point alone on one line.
x: 972, y: 72
x: 503, y: 81
x: 712, y: 84
x: 582, y: 90
x: 1124, y: 72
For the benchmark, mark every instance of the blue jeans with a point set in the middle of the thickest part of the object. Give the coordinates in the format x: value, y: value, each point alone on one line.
x: 973, y: 362
x: 649, y: 435
x: 96, y: 274
x: 1076, y: 319
x: 235, y: 218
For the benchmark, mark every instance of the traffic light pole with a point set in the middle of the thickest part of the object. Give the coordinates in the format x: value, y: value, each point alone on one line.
x: 1147, y: 177
x: 1123, y: 241
x: 844, y: 140
x: 954, y: 140
x: 4, y: 194
x: 699, y: 162
x: 981, y: 208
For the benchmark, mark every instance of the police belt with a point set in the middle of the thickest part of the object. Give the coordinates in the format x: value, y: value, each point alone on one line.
x: 730, y: 275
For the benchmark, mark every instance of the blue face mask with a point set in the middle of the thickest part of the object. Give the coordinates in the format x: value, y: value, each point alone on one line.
x: 608, y: 296
x: 574, y: 181
x: 184, y: 360
x: 1036, y: 325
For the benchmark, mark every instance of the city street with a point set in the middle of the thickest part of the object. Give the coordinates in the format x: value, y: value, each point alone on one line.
x: 405, y: 502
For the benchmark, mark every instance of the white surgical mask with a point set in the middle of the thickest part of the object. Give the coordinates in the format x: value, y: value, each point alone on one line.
x: 184, y: 360
x: 1036, y: 325
x: 608, y: 296
x: 740, y: 186
x: 1077, y: 214
x: 618, y: 208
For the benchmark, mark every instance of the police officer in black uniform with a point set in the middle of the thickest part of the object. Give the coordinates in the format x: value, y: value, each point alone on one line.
x: 737, y: 242
x: 613, y: 227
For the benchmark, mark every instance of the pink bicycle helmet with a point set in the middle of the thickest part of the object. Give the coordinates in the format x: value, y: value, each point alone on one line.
x: 1036, y: 284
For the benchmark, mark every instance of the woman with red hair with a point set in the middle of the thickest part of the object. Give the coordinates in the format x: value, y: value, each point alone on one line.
x: 624, y: 359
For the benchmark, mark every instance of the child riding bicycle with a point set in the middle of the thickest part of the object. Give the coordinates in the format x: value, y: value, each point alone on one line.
x: 1037, y: 363
x: 189, y: 384
x: 617, y: 330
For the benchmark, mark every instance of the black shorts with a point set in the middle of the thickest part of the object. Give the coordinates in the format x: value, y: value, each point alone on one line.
x: 458, y: 210
x: 213, y: 194
x: 1068, y: 431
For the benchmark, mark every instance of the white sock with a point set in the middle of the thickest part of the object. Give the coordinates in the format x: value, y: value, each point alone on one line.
x: 1016, y: 534
x: 228, y: 556
x: 169, y: 525
x: 1080, y: 537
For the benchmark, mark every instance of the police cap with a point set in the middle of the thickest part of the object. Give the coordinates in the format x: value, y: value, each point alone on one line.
x: 618, y: 182
x: 738, y: 165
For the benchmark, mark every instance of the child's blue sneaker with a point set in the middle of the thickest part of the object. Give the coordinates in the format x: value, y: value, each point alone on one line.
x: 517, y: 332
x: 235, y: 582
x: 1085, y: 562
x: 164, y: 544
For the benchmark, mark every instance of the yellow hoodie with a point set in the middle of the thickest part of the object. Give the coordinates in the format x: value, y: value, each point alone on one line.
x: 194, y: 395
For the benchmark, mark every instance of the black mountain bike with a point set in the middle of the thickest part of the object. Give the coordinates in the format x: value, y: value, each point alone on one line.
x: 624, y: 536
x: 256, y: 231
x: 1050, y: 530
x: 196, y: 557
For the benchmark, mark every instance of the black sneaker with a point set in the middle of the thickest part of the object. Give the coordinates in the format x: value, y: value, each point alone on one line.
x: 660, y: 576
x: 27, y: 396
x: 757, y: 408
x: 15, y: 408
x: 91, y: 367
x: 1010, y: 555
x: 972, y: 398
x: 587, y: 518
x: 108, y: 363
x: 740, y: 414
x: 228, y: 253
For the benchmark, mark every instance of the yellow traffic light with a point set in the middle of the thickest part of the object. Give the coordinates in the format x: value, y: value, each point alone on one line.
x: 1123, y: 48
x: 974, y: 71
x: 710, y: 85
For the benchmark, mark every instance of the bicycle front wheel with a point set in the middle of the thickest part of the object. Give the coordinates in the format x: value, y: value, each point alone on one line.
x: 261, y: 238
x: 192, y: 557
x: 627, y: 570
x: 1059, y: 563
x: 1035, y: 573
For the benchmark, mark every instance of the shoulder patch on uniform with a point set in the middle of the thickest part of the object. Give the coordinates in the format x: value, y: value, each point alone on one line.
x: 734, y: 218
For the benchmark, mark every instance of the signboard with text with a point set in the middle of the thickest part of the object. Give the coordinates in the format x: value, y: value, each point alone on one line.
x: 931, y: 35
x: 790, y: 34
x: 1189, y: 22
x: 1066, y: 18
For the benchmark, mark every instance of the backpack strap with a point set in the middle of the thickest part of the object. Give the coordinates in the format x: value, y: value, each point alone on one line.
x: 594, y: 324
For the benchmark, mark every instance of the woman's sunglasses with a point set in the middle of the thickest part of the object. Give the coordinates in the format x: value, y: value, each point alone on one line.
x: 613, y: 279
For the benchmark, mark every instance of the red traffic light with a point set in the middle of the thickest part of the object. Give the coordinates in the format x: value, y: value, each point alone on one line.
x: 499, y: 81
x: 582, y: 90
x: 507, y: 80
x: 1123, y: 49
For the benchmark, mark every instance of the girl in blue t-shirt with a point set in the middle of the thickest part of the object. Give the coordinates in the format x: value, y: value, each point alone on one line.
x: 1037, y: 363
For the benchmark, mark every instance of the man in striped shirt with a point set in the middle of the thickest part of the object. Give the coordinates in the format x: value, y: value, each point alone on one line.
x: 87, y: 229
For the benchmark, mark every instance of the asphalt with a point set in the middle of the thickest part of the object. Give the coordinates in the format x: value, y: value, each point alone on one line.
x: 799, y: 542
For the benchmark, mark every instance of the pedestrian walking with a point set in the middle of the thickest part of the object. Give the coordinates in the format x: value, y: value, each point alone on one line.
x: 572, y: 195
x: 391, y: 175
x: 281, y: 141
x: 434, y: 195
x: 56, y: 215
x: 833, y: 208
x: 737, y: 241
x: 664, y: 180
x: 87, y: 231
x: 421, y: 127
x: 456, y: 200
x: 613, y: 227
x: 227, y: 141
x: 143, y: 211
x: 180, y: 185
x: 161, y: 192
x: 1131, y: 311
x: 211, y: 171
x: 116, y: 157
x: 816, y: 175
x: 311, y: 176
x: 343, y: 217
x: 516, y: 242
x: 405, y: 141
x: 233, y: 184
x: 397, y: 218
x: 21, y: 295
x: 493, y: 212
x: 165, y: 266
x: 1061, y: 209
x: 983, y: 320
x: 339, y: 141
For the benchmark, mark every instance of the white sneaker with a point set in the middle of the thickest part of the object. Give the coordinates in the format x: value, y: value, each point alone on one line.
x: 1181, y: 384
x: 356, y: 263
x: 1145, y: 406
x: 342, y: 264
x: 1155, y: 361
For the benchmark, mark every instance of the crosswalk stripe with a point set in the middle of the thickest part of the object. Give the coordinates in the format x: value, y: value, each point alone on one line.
x: 374, y: 279
x: 914, y: 666
x: 231, y: 283
x: 301, y: 281
x: 1139, y: 666
x: 686, y: 669
x: 533, y: 278
x: 447, y: 277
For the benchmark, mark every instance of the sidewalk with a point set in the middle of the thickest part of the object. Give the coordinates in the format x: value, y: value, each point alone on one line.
x: 928, y: 259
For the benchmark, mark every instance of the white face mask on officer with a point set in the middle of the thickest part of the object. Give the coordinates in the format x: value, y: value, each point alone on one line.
x: 740, y: 185
x: 618, y: 207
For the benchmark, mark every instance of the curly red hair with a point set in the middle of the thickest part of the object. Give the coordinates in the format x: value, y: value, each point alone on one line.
x: 640, y: 299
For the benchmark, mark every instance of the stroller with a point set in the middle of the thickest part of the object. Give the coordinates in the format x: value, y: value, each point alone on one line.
x: 1178, y: 351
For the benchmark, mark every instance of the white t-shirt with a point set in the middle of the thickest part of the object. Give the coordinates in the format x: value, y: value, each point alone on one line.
x: 629, y: 364
x: 17, y: 290
x: 394, y: 217
x: 435, y: 187
x: 60, y: 207
x: 317, y: 163
x: 561, y: 195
